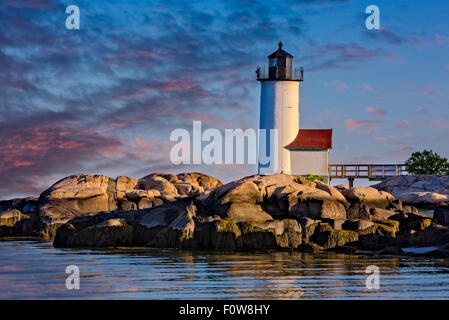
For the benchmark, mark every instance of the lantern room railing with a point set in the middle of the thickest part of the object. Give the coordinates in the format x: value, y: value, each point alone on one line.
x: 297, y: 74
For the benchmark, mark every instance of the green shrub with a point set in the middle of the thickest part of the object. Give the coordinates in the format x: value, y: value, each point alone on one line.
x: 313, y: 177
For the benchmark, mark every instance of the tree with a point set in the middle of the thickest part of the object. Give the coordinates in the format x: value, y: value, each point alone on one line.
x: 427, y: 162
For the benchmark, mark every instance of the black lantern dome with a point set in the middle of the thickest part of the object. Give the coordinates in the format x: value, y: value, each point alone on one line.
x: 280, y: 64
x: 280, y: 67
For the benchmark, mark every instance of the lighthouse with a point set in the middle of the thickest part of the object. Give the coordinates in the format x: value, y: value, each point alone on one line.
x: 291, y: 150
x: 279, y: 108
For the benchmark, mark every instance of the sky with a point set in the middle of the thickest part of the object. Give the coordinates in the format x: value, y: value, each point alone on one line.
x: 104, y: 99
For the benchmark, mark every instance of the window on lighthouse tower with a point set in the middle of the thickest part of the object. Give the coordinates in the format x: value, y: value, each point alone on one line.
x: 272, y: 62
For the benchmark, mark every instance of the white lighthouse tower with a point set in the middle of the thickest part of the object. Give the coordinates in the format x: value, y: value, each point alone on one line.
x: 279, y: 109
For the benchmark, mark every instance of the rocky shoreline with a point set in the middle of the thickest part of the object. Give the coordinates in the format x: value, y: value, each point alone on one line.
x: 196, y: 211
x: 422, y: 191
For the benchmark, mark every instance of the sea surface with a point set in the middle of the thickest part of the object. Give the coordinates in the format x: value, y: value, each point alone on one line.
x: 36, y: 270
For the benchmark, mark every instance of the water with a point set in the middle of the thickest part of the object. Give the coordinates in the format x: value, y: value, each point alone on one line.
x: 34, y: 270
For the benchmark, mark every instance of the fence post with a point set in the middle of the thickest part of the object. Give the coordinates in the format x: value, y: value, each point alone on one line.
x: 351, y: 182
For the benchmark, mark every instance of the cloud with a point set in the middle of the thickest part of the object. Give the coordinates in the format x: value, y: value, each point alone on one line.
x: 429, y: 90
x: 338, y: 55
x: 352, y: 125
x: 323, y: 114
x: 420, y: 42
x: 31, y: 154
x: 338, y: 85
x: 112, y: 93
x: 438, y: 123
x: 403, y: 123
x: 376, y: 111
x: 399, y: 152
x: 442, y: 39
x: 366, y: 87
x: 420, y: 110
x: 362, y: 159
x: 29, y: 4
x: 399, y: 155
x: 437, y: 40
x: 387, y: 138
x: 393, y: 57
x: 384, y: 34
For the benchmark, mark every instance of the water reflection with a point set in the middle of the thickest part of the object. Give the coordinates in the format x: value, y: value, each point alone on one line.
x: 37, y: 270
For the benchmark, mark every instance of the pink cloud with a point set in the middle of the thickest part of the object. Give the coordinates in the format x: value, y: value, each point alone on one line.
x: 323, y: 114
x: 388, y: 138
x: 421, y: 42
x: 210, y: 120
x: 392, y: 56
x: 399, y: 152
x: 351, y: 125
x: 375, y: 111
x: 439, y: 123
x: 141, y: 143
x: 351, y: 50
x: 33, y: 155
x: 149, y: 150
x: 429, y: 90
x: 338, y: 85
x: 437, y: 40
x: 403, y: 123
x: 187, y: 86
x: 366, y: 87
x: 420, y: 110
x: 442, y: 39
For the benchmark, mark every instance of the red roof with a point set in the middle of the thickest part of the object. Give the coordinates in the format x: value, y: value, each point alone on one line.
x: 312, y: 139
